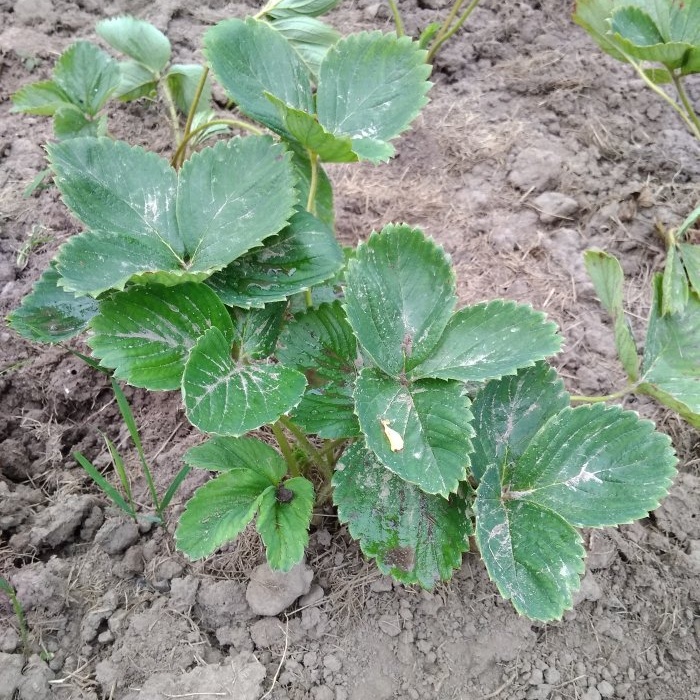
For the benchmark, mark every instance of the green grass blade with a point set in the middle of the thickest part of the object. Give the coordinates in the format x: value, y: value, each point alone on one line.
x: 106, y: 487
x: 174, y: 486
x: 6, y: 587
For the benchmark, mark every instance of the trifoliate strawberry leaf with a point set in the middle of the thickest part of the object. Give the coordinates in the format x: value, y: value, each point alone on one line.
x: 671, y: 365
x: 146, y: 332
x: 220, y: 510
x: 606, y: 274
x: 87, y: 75
x: 308, y: 133
x: 305, y: 253
x: 250, y: 58
x: 532, y: 554
x: 148, y: 221
x: 49, y: 314
x: 137, y: 39
x: 310, y: 37
x: 293, y: 8
x: 399, y: 296
x: 135, y: 81
x: 283, y: 522
x: 509, y: 411
x: 489, y: 340
x: 371, y: 86
x: 224, y: 397
x: 42, y: 98
x: 256, y: 330
x: 420, y: 431
x: 224, y: 454
x: 183, y: 81
x: 414, y: 536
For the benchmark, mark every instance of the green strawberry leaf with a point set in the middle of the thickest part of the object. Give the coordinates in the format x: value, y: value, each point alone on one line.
x: 671, y: 365
x: 250, y: 58
x: 606, y: 274
x: 70, y: 123
x: 135, y: 81
x: 489, y: 340
x: 674, y: 283
x: 371, y: 86
x: 256, y: 330
x: 225, y: 454
x: 328, y: 411
x: 148, y: 221
x: 49, y: 314
x: 87, y: 75
x: 414, y: 536
x: 43, y: 98
x: 311, y: 38
x: 690, y: 257
x: 145, y: 334
x: 509, y: 411
x: 283, y: 522
x: 399, y: 297
x: 137, y: 39
x: 223, y: 397
x: 420, y: 431
x: 533, y: 555
x: 183, y: 81
x: 305, y: 253
x: 293, y: 8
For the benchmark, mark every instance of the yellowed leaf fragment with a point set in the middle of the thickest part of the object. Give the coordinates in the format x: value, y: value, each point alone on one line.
x: 395, y: 440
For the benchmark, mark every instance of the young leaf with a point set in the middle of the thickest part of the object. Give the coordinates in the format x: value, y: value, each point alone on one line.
x: 675, y: 286
x: 87, y: 75
x: 606, y: 274
x: 220, y: 510
x: 302, y: 255
x: 49, y: 314
x: 489, y: 340
x: 42, y: 98
x: 414, y: 536
x: 283, y: 522
x: 310, y: 37
x: 292, y: 8
x: 532, y: 554
x: 70, y: 123
x: 182, y: 81
x: 250, y: 58
x: 146, y: 333
x: 509, y: 411
x: 225, y: 398
x: 432, y: 418
x: 137, y: 39
x: 371, y: 86
x: 223, y: 454
x: 399, y: 297
x: 671, y: 365
x: 148, y: 219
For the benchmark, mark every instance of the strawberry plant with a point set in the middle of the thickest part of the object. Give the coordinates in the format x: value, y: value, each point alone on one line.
x: 328, y: 376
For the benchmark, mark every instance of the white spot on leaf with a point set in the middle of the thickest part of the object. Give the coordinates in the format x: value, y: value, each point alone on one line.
x: 395, y: 440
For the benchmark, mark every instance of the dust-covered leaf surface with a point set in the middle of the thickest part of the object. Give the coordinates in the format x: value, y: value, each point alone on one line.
x: 223, y: 397
x: 414, y: 536
x: 303, y: 254
x: 145, y: 333
x: 283, y: 522
x: 431, y: 417
x: 49, y: 314
x: 147, y: 220
x: 256, y: 330
x: 399, y: 296
x: 489, y: 340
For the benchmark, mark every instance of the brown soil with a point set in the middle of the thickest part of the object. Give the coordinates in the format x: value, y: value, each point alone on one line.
x: 522, y: 104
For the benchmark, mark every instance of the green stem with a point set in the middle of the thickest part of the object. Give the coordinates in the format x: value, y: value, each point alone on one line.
x: 172, y: 111
x: 193, y: 107
x: 400, y: 29
x: 446, y: 32
x: 313, y: 184
x: 285, y: 449
x: 311, y: 452
x: 685, y: 101
x: 328, y: 451
x: 607, y: 397
x: 235, y: 123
